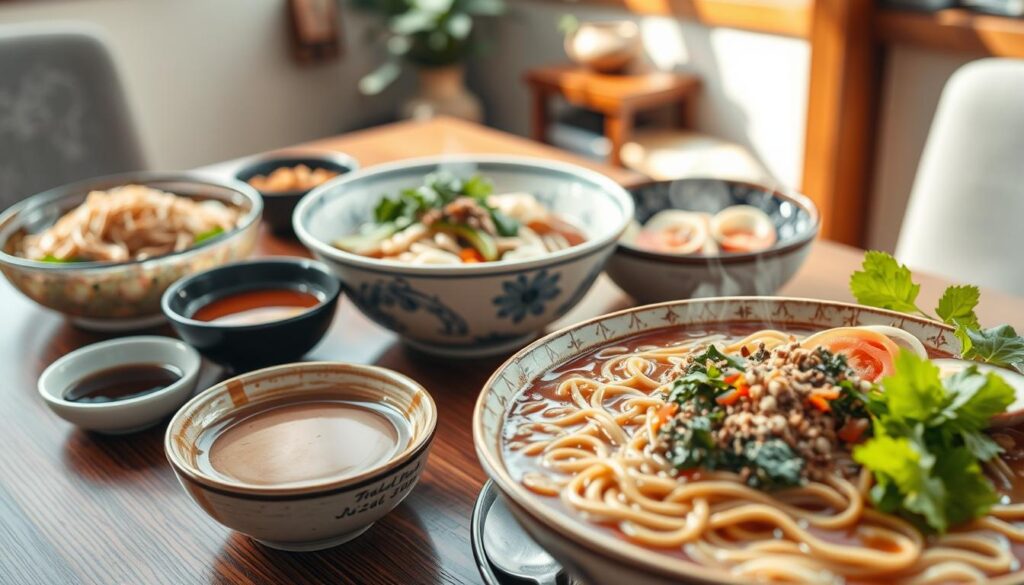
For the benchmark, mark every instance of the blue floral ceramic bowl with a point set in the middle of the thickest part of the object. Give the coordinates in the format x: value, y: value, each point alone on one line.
x: 654, y: 277
x: 474, y: 309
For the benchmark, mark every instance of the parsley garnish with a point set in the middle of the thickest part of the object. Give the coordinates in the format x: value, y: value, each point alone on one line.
x: 885, y: 283
x: 928, y: 441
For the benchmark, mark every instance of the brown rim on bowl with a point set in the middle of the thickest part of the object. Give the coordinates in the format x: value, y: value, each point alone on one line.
x: 799, y: 200
x: 615, y: 191
x: 112, y: 181
x: 571, y: 528
x: 184, y: 418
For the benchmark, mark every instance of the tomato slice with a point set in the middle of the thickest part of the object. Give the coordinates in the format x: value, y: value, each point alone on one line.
x: 869, y: 353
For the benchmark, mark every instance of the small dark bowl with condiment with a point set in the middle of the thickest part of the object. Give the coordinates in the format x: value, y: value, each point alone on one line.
x: 279, y: 202
x: 253, y: 314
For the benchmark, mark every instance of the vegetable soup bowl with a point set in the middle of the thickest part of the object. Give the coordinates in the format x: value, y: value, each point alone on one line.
x: 117, y: 296
x: 309, y: 514
x: 598, y: 555
x: 478, y: 309
x: 651, y: 277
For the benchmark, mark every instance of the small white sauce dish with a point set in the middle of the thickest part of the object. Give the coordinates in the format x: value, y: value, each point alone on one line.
x: 131, y: 414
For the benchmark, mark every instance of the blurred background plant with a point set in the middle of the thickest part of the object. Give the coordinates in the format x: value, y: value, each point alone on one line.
x: 423, y: 33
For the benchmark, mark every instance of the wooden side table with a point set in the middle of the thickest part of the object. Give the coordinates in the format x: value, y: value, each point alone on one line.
x: 618, y: 97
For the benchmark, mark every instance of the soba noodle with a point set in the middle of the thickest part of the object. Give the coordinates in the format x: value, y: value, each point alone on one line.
x: 132, y: 222
x: 587, y: 434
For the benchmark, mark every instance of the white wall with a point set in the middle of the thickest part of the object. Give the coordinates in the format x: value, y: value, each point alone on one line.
x: 912, y: 83
x: 755, y: 89
x: 211, y: 80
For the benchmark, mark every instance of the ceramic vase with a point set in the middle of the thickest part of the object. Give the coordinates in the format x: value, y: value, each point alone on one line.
x: 607, y: 47
x: 442, y: 92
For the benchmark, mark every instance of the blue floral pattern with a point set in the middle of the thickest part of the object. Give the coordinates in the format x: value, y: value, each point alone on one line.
x: 381, y: 298
x: 527, y: 296
x: 581, y: 291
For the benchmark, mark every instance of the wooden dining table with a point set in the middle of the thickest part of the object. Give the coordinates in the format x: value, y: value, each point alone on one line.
x: 78, y: 507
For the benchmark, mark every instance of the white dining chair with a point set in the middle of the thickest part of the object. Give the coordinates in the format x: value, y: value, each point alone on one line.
x: 964, y: 220
x: 63, y: 113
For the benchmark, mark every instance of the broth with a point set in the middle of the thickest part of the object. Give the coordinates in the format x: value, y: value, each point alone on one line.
x: 294, y: 442
x: 252, y: 307
x: 122, y: 383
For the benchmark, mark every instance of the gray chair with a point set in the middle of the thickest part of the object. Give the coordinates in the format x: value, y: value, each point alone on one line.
x: 63, y: 114
x: 965, y: 211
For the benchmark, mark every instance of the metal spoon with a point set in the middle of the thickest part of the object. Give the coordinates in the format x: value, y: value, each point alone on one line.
x: 512, y: 551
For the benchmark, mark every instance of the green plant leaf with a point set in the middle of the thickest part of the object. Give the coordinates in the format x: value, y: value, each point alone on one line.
x: 977, y: 398
x: 380, y: 78
x: 1000, y: 346
x: 971, y: 492
x: 957, y: 304
x: 914, y: 391
x: 884, y: 283
x: 903, y: 478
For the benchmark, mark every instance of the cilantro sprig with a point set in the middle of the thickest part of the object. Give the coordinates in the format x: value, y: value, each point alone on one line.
x: 928, y: 442
x: 885, y: 283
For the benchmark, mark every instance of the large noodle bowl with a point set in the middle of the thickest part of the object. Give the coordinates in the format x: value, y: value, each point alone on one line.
x: 599, y: 438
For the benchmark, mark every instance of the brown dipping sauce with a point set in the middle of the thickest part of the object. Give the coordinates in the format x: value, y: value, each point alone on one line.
x: 122, y: 383
x: 294, y: 442
x: 252, y: 307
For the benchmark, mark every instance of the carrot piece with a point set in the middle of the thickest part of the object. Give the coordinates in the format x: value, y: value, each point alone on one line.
x: 731, y: 380
x: 853, y: 430
x: 820, y: 403
x: 470, y: 255
x: 828, y: 394
x: 664, y: 414
x: 734, y: 396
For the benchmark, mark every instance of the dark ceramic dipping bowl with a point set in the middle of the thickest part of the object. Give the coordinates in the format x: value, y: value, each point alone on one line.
x: 244, y: 347
x: 279, y: 205
x: 654, y: 277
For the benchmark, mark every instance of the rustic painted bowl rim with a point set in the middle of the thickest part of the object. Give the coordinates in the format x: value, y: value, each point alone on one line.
x: 608, y: 187
x: 799, y: 200
x: 105, y: 183
x: 625, y: 553
x: 325, y: 486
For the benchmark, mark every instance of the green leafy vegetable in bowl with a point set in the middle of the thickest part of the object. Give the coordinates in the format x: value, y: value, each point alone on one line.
x: 208, y: 235
x: 449, y: 220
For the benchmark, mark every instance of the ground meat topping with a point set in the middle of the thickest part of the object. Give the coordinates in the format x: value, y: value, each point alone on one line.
x: 783, y: 395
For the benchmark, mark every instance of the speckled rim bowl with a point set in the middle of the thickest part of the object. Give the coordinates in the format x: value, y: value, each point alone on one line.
x: 124, y: 295
x: 651, y: 277
x: 788, y: 242
x: 597, y: 556
x: 418, y: 167
x: 121, y: 416
x: 305, y: 515
x: 468, y: 310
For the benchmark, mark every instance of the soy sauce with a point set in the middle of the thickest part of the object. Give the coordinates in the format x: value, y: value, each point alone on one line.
x: 122, y: 382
